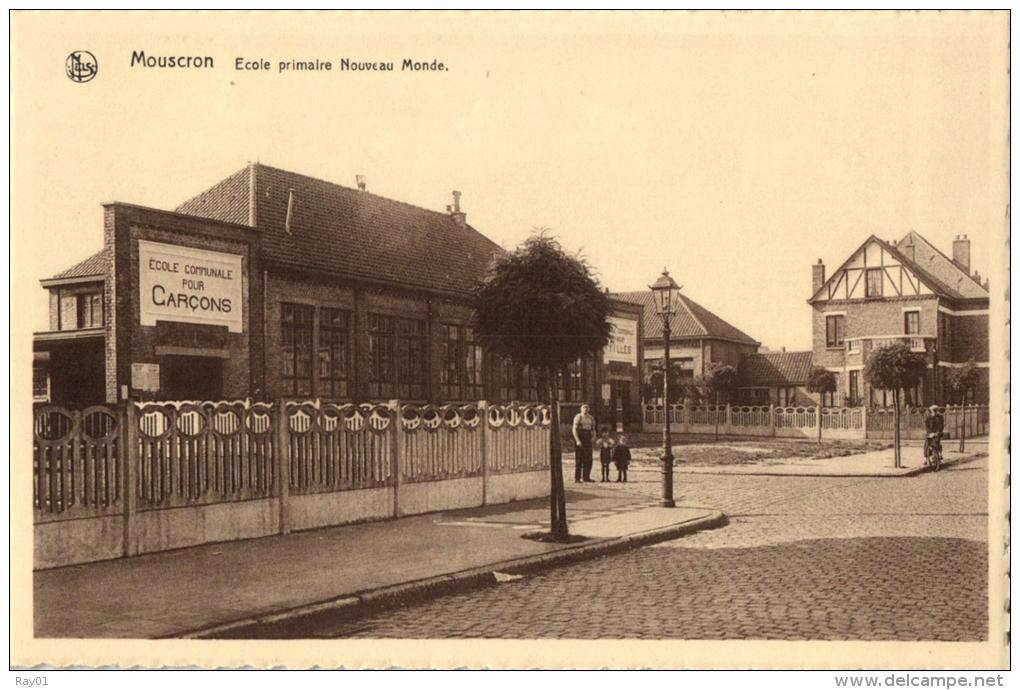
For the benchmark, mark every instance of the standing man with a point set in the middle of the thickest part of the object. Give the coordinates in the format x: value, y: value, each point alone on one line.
x: 584, y: 433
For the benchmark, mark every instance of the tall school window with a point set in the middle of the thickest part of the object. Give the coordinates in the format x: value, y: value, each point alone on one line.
x: 787, y: 396
x: 460, y: 373
x: 396, y: 357
x: 572, y: 381
x: 873, y: 285
x: 334, y: 352
x: 40, y: 384
x: 911, y: 322
x: 835, y: 330
x: 296, y: 337
x: 855, y: 388
x: 519, y: 383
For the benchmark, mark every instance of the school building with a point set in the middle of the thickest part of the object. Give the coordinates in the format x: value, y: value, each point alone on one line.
x: 273, y: 284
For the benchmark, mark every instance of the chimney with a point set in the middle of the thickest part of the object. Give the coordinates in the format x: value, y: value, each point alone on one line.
x: 817, y: 276
x: 362, y: 184
x: 290, y: 211
x: 455, y: 212
x: 961, y: 252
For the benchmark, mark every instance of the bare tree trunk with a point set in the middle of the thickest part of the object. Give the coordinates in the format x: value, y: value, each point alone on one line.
x: 896, y: 432
x: 717, y: 415
x: 962, y: 417
x: 557, y: 494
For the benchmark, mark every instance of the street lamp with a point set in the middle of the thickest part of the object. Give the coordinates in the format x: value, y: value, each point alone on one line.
x: 667, y: 296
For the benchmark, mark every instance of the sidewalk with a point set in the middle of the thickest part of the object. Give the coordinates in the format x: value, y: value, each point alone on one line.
x: 877, y: 463
x: 198, y: 589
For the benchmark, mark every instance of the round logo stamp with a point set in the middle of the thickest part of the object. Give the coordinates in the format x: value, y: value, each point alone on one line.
x: 81, y: 66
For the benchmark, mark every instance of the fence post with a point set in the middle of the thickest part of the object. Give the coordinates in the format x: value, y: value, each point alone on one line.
x: 281, y: 459
x: 128, y: 452
x: 395, y: 465
x: 772, y: 418
x: 483, y: 410
x: 729, y: 420
x: 864, y: 422
x: 818, y: 421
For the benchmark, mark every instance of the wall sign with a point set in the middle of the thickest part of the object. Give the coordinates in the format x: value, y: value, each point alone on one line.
x: 190, y: 285
x: 622, y: 345
x: 145, y: 376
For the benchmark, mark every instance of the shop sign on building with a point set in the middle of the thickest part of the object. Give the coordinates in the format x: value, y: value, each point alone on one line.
x: 190, y: 285
x: 622, y: 345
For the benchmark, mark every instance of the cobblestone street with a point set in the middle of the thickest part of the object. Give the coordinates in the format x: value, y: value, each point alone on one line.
x: 802, y: 558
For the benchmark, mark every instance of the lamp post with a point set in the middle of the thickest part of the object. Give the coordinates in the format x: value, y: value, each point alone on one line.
x: 667, y: 295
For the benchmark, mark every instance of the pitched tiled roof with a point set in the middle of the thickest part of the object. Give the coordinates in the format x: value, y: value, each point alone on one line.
x: 948, y: 278
x: 227, y: 200
x: 344, y: 231
x: 95, y: 265
x: 691, y: 320
x: 774, y: 369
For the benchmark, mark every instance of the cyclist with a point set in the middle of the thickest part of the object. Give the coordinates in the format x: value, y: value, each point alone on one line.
x: 934, y: 424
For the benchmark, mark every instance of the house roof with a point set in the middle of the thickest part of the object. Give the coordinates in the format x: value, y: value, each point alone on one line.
x: 691, y: 320
x: 774, y: 369
x: 940, y: 273
x: 351, y: 232
x: 94, y: 266
x: 950, y: 278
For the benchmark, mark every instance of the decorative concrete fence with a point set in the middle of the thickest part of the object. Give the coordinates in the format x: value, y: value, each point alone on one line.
x: 804, y: 422
x: 142, y: 477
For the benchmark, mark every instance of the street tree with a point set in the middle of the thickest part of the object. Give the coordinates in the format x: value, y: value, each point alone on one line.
x: 821, y: 381
x: 542, y: 307
x: 717, y: 384
x: 960, y: 382
x: 894, y: 367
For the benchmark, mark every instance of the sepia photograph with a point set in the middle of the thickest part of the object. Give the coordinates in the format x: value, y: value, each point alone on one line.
x: 518, y: 340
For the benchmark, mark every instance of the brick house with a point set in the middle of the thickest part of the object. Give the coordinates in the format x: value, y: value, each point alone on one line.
x: 698, y: 338
x: 906, y: 291
x: 774, y: 378
x: 273, y: 284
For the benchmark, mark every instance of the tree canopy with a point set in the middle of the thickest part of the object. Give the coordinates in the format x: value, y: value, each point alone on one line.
x: 540, y: 306
x: 821, y: 380
x: 718, y: 382
x: 895, y: 367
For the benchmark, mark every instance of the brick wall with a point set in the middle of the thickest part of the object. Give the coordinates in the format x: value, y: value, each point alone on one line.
x: 133, y: 343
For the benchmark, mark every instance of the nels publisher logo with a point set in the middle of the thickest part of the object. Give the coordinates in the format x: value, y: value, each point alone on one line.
x: 81, y: 66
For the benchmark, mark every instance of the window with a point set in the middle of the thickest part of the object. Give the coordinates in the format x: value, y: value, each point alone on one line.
x: 787, y: 396
x: 873, y: 286
x: 40, y: 384
x: 296, y: 338
x: 90, y: 310
x: 572, y: 382
x: 473, y: 382
x: 835, y: 330
x: 911, y: 322
x: 855, y: 388
x: 334, y: 352
x: 853, y: 346
x: 829, y: 399
x: 460, y: 374
x: 79, y: 310
x: 396, y: 357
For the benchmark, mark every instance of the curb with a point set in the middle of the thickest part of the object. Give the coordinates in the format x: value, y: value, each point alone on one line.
x: 283, y: 624
x: 903, y: 471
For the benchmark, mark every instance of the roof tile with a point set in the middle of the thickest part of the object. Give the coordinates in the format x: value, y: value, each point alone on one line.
x: 774, y: 369
x: 692, y: 321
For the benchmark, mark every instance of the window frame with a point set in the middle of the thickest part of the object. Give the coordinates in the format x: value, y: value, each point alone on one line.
x: 337, y: 341
x: 291, y: 348
x: 868, y: 273
x: 835, y: 337
x: 916, y: 313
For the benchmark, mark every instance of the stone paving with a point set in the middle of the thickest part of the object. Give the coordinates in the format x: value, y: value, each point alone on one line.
x: 803, y: 558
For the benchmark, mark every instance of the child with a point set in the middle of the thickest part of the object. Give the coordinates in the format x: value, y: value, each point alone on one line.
x: 605, y: 444
x: 621, y: 456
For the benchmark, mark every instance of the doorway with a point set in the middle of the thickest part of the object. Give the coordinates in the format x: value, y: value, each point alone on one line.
x: 191, y: 378
x: 619, y: 404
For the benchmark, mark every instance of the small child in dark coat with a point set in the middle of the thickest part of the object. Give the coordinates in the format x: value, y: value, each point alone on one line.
x: 605, y: 445
x: 621, y: 456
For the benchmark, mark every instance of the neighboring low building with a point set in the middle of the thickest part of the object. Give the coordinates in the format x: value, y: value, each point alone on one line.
x: 273, y: 284
x: 909, y: 292
x: 774, y: 378
x: 698, y: 339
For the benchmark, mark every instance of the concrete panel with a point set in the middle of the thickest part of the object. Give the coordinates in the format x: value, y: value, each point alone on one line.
x: 173, y: 528
x: 518, y: 486
x: 428, y: 497
x: 337, y: 508
x: 78, y: 541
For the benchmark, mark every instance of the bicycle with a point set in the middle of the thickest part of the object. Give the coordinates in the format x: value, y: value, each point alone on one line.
x: 933, y: 451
